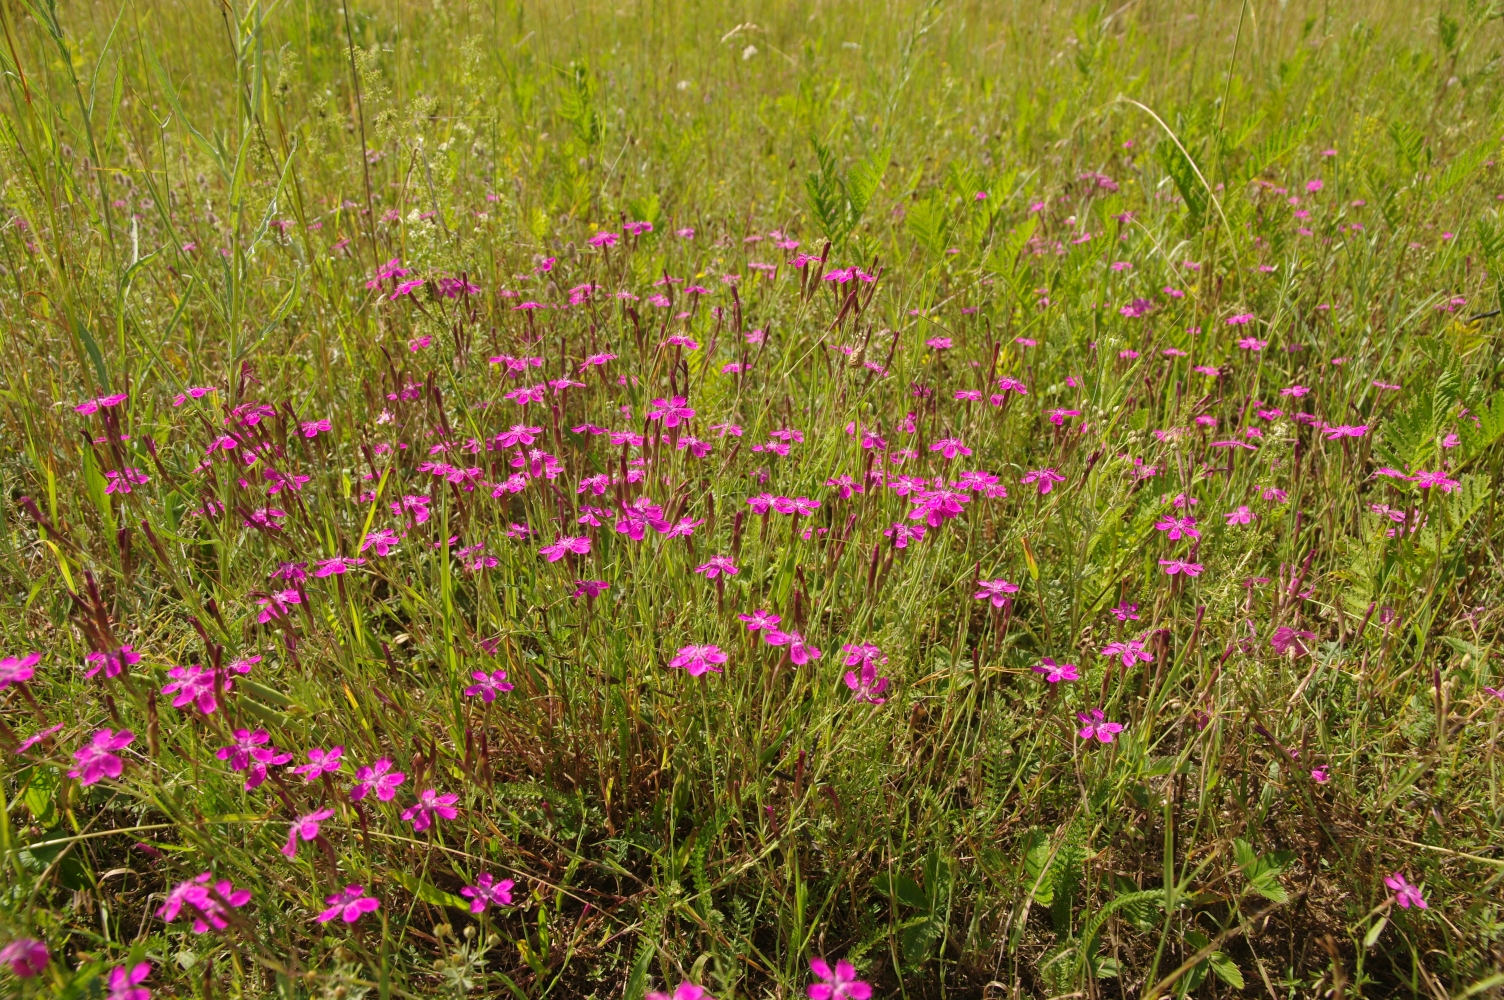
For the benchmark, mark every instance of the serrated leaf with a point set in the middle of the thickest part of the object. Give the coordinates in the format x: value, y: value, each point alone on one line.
x: 1226, y: 969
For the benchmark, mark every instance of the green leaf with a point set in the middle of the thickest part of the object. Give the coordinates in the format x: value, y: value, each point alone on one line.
x: 1226, y: 969
x: 430, y: 893
x: 1183, y: 173
x: 1372, y: 936
x: 1276, y: 146
x: 1461, y: 169
x: 1410, y: 142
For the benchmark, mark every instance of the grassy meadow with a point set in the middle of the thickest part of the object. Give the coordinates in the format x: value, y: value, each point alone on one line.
x: 919, y: 498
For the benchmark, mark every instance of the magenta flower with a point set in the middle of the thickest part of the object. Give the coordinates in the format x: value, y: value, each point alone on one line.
x: 305, y: 827
x: 760, y: 619
x: 684, y: 991
x: 1173, y: 566
x: 27, y: 957
x: 1178, y: 527
x: 1405, y: 894
x: 995, y: 591
x: 124, y: 983
x: 488, y: 891
x: 321, y: 762
x: 950, y: 448
x: 1320, y: 776
x: 430, y: 804
x: 206, y: 903
x: 1240, y: 516
x: 42, y: 734
x: 1426, y: 480
x: 276, y: 605
x: 18, y: 669
x: 863, y: 653
x: 1093, y: 727
x: 698, y: 660
x: 1046, y: 478
x: 336, y: 566
x: 1131, y: 651
x: 715, y: 566
x: 194, y: 685
x: 798, y: 506
x: 589, y: 588
x: 672, y: 412
x: 839, y: 983
x: 1286, y: 638
x: 845, y: 486
x: 95, y: 759
x: 251, y: 752
x: 113, y: 664
x: 1054, y: 672
x: 761, y: 503
x: 350, y: 904
x: 1126, y: 612
x: 383, y: 541
x: 488, y: 686
x: 313, y: 428
x: 378, y: 778
x: 865, y: 685
x: 580, y: 545
x: 935, y: 507
x: 799, y: 651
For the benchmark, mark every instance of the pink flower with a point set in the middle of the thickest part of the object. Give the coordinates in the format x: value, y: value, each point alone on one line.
x: 579, y: 545
x: 194, y: 685
x: 684, y: 991
x: 336, y: 566
x: 95, y: 758
x: 935, y: 507
x: 18, y: 669
x: 1178, y: 527
x: 306, y: 828
x: 1173, y: 566
x: 382, y: 540
x: 1426, y: 480
x: 488, y: 686
x: 27, y: 957
x: 1046, y: 478
x: 1319, y: 775
x: 1126, y: 612
x: 430, y: 804
x: 113, y: 664
x: 1057, y: 417
x: 865, y: 685
x: 1405, y: 894
x: 1131, y: 651
x: 672, y: 412
x: 1253, y: 344
x: 698, y: 660
x: 252, y: 752
x: 589, y: 588
x: 350, y: 904
x: 1093, y: 727
x: 839, y: 983
x: 995, y: 591
x: 1240, y: 516
x: 798, y: 506
x: 760, y: 620
x: 124, y: 982
x: 488, y: 891
x: 950, y: 448
x: 1286, y: 638
x: 207, y: 903
x: 321, y: 762
x: 1054, y: 672
x: 799, y: 651
x: 715, y: 566
x: 378, y: 778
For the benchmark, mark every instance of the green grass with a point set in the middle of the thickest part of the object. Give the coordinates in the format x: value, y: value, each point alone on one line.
x: 196, y: 196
